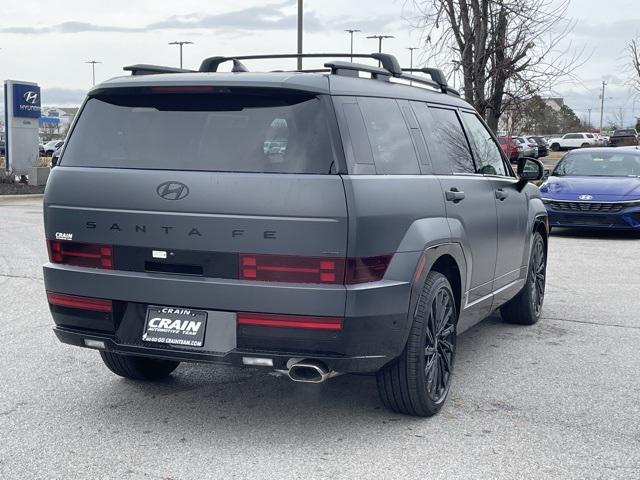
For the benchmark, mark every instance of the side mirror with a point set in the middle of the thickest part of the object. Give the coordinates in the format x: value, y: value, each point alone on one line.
x: 529, y: 170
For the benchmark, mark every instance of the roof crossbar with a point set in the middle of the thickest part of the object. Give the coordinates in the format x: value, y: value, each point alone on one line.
x: 436, y: 75
x: 387, y: 61
x: 144, y: 69
x: 376, y: 72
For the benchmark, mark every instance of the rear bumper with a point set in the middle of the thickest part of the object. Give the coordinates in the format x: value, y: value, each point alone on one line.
x: 374, y: 316
x: 338, y: 363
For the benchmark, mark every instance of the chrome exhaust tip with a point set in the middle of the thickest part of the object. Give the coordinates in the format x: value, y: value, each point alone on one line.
x: 309, y: 371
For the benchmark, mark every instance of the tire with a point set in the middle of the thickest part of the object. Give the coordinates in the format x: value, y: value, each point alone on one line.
x: 526, y: 307
x: 138, y: 368
x: 585, y: 145
x: 555, y: 147
x: 417, y: 382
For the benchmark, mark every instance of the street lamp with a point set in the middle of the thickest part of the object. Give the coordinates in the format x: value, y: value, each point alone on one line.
x: 181, y: 44
x: 300, y: 10
x: 411, y: 49
x: 351, y: 32
x: 380, y: 38
x: 93, y: 69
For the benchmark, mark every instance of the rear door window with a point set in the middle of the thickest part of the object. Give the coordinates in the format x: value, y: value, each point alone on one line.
x: 488, y: 154
x: 227, y: 130
x: 453, y: 140
x: 391, y: 144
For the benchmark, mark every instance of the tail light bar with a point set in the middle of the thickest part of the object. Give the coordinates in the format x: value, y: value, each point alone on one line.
x: 83, y: 303
x: 289, y: 321
x: 81, y: 254
x: 286, y: 268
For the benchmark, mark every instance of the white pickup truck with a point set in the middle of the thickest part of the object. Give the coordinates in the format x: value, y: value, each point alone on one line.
x: 573, y: 140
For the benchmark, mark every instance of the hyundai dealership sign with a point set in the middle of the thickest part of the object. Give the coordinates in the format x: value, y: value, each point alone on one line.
x: 21, y: 116
x: 26, y: 100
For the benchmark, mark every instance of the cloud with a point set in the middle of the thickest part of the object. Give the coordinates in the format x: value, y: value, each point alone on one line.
x: 62, y: 96
x: 274, y: 16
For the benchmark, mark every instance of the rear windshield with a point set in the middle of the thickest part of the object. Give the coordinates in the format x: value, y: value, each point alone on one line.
x: 625, y: 132
x: 182, y: 128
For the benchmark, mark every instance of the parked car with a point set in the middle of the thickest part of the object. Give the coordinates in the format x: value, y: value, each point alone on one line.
x: 598, y: 187
x: 353, y: 249
x: 625, y: 137
x: 511, y: 149
x: 55, y: 156
x: 52, y: 146
x: 601, y: 141
x: 543, y: 146
x: 573, y: 140
x: 529, y: 148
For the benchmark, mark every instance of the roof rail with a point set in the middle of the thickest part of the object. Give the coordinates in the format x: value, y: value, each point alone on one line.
x: 389, y: 67
x: 143, y: 69
x: 387, y: 61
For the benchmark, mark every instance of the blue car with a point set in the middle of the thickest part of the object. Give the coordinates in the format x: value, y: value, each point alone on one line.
x: 595, y: 188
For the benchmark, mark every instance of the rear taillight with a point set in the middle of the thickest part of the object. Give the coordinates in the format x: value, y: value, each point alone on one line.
x: 289, y: 321
x: 81, y: 254
x: 285, y: 268
x: 83, y: 303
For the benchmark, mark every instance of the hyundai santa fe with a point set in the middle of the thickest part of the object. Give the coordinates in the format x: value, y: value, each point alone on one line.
x: 311, y: 222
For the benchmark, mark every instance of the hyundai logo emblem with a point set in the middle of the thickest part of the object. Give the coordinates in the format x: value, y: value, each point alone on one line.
x: 172, y: 190
x: 585, y: 197
x: 30, y: 97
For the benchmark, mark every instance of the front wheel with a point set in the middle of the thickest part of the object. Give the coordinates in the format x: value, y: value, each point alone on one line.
x: 417, y: 382
x: 526, y: 307
x: 555, y: 147
x: 138, y: 368
x: 585, y: 145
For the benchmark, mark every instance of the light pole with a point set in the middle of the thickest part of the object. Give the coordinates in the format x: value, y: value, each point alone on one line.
x: 181, y: 44
x: 411, y: 49
x: 93, y: 69
x: 300, y: 9
x: 589, y: 110
x: 602, y: 106
x: 351, y: 32
x: 380, y: 38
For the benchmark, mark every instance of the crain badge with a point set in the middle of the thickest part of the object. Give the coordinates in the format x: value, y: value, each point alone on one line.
x: 64, y: 236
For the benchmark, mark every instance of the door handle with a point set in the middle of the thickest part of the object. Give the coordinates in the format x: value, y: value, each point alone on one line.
x: 454, y: 195
x: 501, y: 194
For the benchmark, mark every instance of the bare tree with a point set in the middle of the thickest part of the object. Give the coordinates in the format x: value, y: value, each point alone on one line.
x: 506, y: 50
x: 633, y: 50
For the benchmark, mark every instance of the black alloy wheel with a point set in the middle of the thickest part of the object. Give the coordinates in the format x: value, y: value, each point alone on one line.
x: 439, y: 350
x: 537, y: 276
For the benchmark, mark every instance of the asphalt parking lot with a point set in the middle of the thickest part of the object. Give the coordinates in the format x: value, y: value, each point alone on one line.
x: 560, y: 399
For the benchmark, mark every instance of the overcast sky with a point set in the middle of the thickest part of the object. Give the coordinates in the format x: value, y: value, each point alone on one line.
x: 49, y: 45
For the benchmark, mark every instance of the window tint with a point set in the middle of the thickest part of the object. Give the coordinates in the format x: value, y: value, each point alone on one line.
x: 248, y: 131
x: 488, y: 155
x: 393, y: 151
x: 453, y: 141
x: 572, y: 136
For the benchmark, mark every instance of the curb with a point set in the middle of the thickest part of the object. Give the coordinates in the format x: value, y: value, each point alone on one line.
x: 13, y: 198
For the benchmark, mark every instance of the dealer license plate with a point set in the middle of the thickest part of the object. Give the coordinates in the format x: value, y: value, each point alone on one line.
x: 175, y: 326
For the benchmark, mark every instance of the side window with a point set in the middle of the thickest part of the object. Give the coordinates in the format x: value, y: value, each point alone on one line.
x: 454, y: 143
x: 488, y: 156
x: 393, y: 151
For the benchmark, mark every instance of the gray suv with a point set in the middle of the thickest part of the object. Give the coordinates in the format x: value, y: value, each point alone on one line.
x: 311, y: 222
